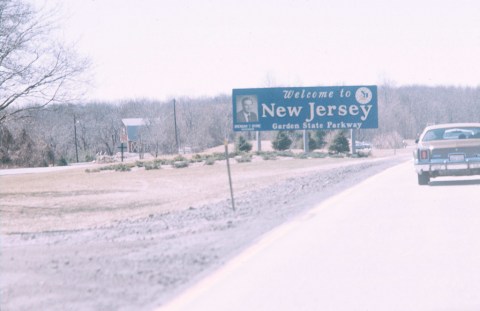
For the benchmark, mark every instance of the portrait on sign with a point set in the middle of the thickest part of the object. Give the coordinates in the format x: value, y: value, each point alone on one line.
x: 247, y: 108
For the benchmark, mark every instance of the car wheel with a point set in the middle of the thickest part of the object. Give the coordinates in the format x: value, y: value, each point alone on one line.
x: 423, y: 179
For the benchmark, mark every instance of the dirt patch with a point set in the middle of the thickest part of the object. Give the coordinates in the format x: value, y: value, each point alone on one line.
x: 89, y: 245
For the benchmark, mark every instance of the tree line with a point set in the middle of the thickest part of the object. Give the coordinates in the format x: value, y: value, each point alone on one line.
x: 42, y: 122
x: 58, y: 133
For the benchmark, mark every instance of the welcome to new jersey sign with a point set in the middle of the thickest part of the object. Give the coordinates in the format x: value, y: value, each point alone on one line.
x: 305, y: 108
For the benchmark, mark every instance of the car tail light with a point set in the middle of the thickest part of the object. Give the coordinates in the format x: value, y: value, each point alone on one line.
x: 423, y: 154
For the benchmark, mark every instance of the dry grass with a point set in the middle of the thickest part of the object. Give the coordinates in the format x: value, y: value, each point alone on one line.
x: 73, y: 199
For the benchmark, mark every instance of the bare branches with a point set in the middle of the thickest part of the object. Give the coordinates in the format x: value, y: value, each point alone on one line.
x: 35, y: 70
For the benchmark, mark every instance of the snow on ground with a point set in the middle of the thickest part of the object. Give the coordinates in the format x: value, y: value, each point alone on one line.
x: 138, y: 254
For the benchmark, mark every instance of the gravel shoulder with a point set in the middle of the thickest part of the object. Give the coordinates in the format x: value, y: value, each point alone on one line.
x: 141, y: 261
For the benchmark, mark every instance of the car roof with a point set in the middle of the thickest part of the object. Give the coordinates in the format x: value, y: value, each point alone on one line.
x: 451, y: 125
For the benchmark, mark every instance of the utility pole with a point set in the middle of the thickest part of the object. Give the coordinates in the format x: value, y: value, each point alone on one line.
x: 175, y: 122
x: 75, y: 135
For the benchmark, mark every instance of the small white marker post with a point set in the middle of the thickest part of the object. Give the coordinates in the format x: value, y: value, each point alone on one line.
x: 229, y: 174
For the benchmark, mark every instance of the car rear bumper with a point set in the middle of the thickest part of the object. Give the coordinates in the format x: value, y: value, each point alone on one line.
x: 446, y: 168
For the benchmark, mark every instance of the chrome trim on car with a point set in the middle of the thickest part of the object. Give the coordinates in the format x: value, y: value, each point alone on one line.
x: 445, y: 165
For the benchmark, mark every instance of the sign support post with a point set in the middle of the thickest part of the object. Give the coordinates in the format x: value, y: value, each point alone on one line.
x: 229, y: 175
x: 353, y: 138
x: 259, y: 141
x: 305, y: 141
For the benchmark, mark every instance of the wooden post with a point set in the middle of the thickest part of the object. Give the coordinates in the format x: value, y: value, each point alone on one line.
x: 229, y: 175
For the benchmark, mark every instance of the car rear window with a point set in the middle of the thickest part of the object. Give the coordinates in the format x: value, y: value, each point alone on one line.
x: 452, y: 133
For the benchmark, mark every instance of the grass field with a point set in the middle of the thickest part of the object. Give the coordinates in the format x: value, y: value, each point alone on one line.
x: 73, y: 199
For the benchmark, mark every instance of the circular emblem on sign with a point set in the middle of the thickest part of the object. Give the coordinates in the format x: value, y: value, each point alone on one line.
x: 363, y: 95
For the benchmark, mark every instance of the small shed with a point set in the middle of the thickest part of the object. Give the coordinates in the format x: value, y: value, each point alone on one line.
x: 131, y: 133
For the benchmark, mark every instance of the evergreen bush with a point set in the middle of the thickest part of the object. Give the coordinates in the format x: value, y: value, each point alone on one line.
x: 242, y: 145
x: 62, y: 162
x: 312, y: 143
x: 340, y: 144
x: 282, y: 141
x: 319, y: 137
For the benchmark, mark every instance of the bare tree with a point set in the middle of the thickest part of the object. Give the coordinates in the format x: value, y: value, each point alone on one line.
x: 35, y: 69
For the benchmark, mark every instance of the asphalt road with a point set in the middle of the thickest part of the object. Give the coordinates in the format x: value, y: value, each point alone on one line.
x: 385, y: 244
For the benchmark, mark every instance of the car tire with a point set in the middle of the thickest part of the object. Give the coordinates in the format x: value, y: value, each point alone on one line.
x: 423, y: 179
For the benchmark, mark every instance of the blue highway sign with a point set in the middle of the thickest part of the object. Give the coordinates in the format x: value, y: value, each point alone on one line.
x: 305, y: 108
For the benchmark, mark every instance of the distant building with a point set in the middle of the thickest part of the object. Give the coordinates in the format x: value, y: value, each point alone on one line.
x: 131, y: 134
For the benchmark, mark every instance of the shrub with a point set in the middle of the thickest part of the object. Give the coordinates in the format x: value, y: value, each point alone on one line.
x: 312, y: 143
x: 162, y: 162
x: 319, y: 137
x: 219, y: 156
x: 244, y: 158
x: 5, y: 158
x: 317, y: 155
x: 315, y: 140
x: 340, y: 144
x: 139, y: 163
x: 287, y: 154
x: 281, y: 141
x: 93, y: 170
x: 62, y: 162
x: 364, y: 153
x: 242, y: 144
x: 210, y: 161
x: 180, y: 164
x: 197, y: 158
x: 122, y: 168
x: 269, y: 156
x: 179, y: 158
x: 152, y: 166
x: 117, y: 167
x: 302, y: 155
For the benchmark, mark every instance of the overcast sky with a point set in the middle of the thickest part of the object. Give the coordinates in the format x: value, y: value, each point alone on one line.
x: 160, y: 49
